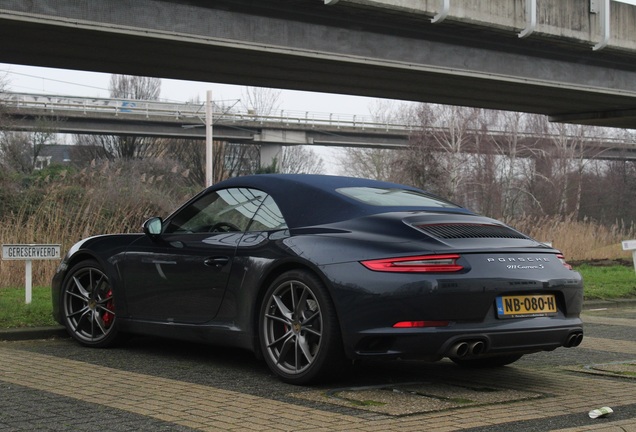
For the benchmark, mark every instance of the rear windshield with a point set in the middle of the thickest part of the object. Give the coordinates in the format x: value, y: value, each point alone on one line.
x: 382, y: 197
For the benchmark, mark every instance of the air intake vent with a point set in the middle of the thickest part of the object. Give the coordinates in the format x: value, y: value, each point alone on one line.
x: 469, y: 231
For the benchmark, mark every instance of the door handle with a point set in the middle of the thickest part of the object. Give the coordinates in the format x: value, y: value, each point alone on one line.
x: 217, y: 262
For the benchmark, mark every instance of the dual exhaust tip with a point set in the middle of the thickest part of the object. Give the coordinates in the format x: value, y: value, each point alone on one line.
x: 467, y: 348
x: 477, y: 347
x: 574, y: 340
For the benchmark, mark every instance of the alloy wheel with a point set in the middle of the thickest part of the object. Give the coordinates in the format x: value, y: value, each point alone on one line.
x: 293, y: 326
x: 88, y: 306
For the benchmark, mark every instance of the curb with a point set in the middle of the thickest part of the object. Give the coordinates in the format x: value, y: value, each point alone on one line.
x: 32, y: 333
x: 608, y: 304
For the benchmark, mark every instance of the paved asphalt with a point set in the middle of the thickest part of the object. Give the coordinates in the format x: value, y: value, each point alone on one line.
x: 50, y: 383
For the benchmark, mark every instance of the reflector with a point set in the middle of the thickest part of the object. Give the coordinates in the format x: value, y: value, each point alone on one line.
x: 420, y: 324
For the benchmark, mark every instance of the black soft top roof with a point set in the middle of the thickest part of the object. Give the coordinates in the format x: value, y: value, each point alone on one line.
x: 310, y: 199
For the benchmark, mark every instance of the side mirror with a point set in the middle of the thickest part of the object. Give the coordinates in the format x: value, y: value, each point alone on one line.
x: 152, y: 227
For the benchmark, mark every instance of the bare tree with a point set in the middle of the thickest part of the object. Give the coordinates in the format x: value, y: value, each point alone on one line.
x: 385, y: 111
x: 300, y: 160
x: 609, y: 193
x: 134, y: 87
x: 482, y: 188
x: 260, y: 100
x: 377, y: 164
x: 4, y: 119
x: 454, y: 136
x: 4, y: 86
x: 515, y: 146
x: 508, y: 146
x: 438, y: 156
x: 419, y: 165
x: 123, y: 146
x: 19, y: 151
x: 16, y: 152
x: 229, y: 159
x: 567, y: 151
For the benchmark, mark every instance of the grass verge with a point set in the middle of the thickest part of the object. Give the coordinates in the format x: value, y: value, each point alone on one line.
x: 14, y: 313
x: 608, y: 282
x: 601, y: 282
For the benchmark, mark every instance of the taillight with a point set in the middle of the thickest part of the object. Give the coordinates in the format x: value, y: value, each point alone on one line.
x: 416, y: 264
x: 562, y: 259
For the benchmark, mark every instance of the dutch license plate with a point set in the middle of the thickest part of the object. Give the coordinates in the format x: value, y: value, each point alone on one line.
x: 526, y: 306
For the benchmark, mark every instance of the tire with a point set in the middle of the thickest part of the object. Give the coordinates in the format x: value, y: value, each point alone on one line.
x: 488, y: 362
x: 298, y: 330
x: 88, y: 306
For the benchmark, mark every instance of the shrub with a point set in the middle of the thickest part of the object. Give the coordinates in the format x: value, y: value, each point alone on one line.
x: 100, y: 199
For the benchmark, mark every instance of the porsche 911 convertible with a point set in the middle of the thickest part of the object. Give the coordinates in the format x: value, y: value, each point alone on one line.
x: 312, y: 272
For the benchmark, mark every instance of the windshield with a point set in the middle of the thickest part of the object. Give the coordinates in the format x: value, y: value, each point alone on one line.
x: 382, y: 197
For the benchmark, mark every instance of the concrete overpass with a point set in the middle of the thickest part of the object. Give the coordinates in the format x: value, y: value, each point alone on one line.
x: 572, y: 60
x: 84, y: 115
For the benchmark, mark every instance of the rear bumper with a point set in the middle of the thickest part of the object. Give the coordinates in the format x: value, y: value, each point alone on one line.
x: 369, y: 304
x: 460, y: 341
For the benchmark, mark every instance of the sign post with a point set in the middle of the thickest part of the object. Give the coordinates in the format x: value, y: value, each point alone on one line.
x: 28, y: 253
x: 631, y: 245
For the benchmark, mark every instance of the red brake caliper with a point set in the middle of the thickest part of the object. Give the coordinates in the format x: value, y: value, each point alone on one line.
x: 108, y: 317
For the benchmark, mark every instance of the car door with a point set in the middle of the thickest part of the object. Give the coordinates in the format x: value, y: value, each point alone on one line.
x: 181, y: 275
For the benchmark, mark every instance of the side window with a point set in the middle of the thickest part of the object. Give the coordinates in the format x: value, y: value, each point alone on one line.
x: 268, y: 217
x: 222, y: 211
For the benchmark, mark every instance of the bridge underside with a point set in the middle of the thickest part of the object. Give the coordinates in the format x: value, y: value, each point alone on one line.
x: 305, y: 45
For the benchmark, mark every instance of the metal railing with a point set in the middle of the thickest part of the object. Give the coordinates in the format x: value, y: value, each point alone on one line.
x: 195, y: 112
x: 158, y: 110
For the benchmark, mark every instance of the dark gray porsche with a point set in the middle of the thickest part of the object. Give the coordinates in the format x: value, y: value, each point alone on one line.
x: 311, y: 272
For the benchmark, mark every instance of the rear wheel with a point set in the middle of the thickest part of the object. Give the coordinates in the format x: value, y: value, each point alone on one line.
x: 88, y: 305
x: 488, y: 362
x: 298, y: 329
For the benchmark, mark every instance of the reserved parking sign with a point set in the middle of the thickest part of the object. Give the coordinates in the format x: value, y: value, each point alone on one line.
x: 28, y: 253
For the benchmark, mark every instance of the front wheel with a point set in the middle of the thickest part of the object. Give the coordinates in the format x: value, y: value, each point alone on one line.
x: 298, y: 329
x: 488, y: 362
x: 88, y: 305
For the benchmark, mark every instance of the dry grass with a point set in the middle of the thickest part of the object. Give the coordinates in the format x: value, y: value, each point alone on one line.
x: 54, y: 223
x: 579, y: 240
x: 99, y: 200
x: 102, y: 200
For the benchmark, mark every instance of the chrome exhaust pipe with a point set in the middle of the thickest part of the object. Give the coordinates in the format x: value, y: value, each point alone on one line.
x: 460, y: 349
x: 476, y: 348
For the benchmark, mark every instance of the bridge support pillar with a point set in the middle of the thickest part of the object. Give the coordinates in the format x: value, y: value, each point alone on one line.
x: 269, y: 152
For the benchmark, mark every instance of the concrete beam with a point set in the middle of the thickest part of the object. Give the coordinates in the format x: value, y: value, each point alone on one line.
x: 473, y: 58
